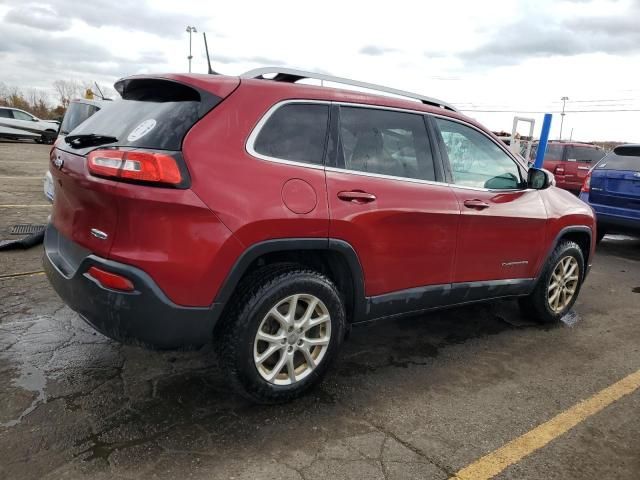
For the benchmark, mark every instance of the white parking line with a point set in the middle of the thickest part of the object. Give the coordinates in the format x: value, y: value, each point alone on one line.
x: 33, y: 177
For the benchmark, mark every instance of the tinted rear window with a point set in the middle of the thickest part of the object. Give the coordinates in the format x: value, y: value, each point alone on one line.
x: 584, y: 154
x: 76, y: 114
x: 157, y: 125
x: 154, y: 113
x: 619, y: 162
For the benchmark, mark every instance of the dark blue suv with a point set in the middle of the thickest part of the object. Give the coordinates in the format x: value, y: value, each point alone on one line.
x: 612, y: 188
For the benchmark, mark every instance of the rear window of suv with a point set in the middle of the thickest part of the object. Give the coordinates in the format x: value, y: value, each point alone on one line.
x: 584, y: 154
x: 154, y: 114
x: 619, y: 162
x: 158, y: 125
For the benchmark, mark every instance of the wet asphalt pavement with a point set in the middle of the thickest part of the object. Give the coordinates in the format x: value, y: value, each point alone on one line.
x: 418, y: 397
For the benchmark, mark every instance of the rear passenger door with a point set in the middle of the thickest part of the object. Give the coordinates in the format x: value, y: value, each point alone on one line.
x: 387, y: 199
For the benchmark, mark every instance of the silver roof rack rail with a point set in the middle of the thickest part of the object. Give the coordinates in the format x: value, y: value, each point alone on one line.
x: 292, y: 75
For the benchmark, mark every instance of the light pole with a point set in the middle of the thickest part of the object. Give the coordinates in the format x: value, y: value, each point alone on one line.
x: 190, y: 30
x: 564, y: 100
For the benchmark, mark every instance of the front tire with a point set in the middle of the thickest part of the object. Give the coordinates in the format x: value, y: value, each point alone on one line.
x: 282, y: 333
x: 558, y: 287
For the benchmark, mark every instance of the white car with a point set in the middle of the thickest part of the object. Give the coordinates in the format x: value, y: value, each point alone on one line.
x: 16, y: 123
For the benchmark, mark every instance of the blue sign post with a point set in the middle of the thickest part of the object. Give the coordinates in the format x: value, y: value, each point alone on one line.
x: 544, y: 139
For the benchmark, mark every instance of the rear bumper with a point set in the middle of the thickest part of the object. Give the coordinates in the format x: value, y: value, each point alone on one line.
x: 614, y: 219
x: 145, y: 316
x: 616, y: 224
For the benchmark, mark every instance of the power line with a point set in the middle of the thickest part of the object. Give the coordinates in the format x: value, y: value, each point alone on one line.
x: 600, y: 100
x: 556, y: 111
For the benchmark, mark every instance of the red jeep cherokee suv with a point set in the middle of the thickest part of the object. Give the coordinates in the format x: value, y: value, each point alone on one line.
x: 268, y: 217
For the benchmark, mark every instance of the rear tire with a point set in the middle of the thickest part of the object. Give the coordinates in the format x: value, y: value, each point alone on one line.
x: 558, y: 286
x: 600, y: 235
x: 284, y: 329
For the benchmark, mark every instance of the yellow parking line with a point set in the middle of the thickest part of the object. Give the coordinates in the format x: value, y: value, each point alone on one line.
x: 22, y: 274
x: 25, y: 206
x: 495, y: 462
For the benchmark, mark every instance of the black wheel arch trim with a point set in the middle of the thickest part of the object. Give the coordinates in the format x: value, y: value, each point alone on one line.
x: 556, y: 242
x: 296, y: 244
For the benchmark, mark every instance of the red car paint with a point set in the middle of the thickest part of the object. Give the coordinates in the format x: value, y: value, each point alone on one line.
x: 570, y: 162
x: 410, y: 235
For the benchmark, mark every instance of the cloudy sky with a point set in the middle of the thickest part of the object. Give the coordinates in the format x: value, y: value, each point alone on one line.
x: 491, y: 59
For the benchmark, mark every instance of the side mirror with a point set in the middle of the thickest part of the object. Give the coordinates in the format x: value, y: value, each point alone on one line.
x: 539, y: 179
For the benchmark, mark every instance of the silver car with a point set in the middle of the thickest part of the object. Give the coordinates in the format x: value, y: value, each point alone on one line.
x: 18, y: 124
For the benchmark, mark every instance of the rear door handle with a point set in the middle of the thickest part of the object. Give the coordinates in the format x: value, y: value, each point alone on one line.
x: 476, y: 204
x: 356, y: 196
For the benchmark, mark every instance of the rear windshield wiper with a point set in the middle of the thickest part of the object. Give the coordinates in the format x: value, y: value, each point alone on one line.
x: 88, y: 140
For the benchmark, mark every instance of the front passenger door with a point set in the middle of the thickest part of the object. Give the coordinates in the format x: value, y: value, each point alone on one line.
x: 502, y: 223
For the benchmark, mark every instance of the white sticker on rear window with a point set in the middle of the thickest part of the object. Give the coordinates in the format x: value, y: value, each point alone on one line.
x: 141, y: 130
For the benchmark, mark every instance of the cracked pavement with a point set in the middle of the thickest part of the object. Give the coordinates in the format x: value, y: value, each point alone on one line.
x: 413, y: 398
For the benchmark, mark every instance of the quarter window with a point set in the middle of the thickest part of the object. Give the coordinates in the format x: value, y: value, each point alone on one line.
x: 295, y: 132
x: 5, y: 113
x: 385, y: 142
x: 475, y: 160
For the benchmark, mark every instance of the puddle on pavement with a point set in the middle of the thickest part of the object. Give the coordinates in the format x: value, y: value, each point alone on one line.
x: 31, y: 379
x: 570, y: 318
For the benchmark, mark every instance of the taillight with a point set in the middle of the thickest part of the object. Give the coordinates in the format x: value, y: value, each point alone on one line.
x: 111, y: 280
x: 135, y: 165
x: 559, y: 170
x: 586, y: 185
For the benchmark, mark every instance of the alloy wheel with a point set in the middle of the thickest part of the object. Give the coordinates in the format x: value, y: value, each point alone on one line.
x: 292, y: 339
x: 563, y: 283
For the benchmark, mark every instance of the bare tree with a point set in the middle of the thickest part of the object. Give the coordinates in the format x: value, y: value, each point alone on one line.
x: 67, y: 90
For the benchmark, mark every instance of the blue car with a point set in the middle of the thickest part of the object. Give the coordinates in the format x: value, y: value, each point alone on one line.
x: 612, y: 188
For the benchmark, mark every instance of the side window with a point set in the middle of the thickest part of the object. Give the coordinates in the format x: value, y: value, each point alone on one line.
x: 554, y: 152
x: 5, y: 113
x: 475, y: 160
x: 296, y: 131
x: 18, y: 115
x: 585, y: 154
x: 385, y: 142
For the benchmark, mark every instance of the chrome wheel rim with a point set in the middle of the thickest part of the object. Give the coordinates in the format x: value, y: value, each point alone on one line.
x: 292, y: 339
x: 563, y: 283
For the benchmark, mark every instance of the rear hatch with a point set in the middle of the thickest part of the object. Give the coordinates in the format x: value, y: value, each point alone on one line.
x: 136, y: 140
x: 615, y: 182
x: 580, y: 159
